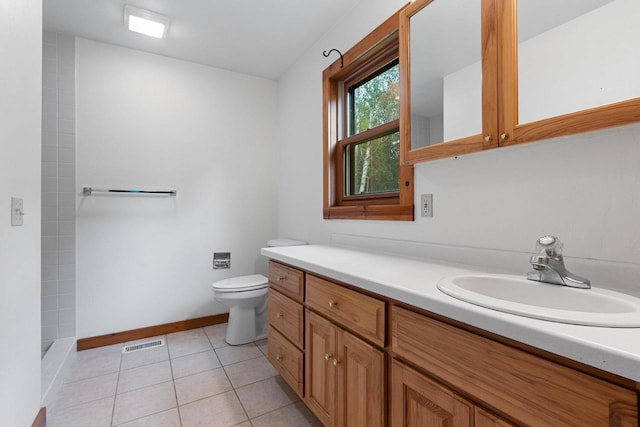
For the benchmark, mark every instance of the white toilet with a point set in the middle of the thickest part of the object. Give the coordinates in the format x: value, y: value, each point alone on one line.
x: 246, y: 297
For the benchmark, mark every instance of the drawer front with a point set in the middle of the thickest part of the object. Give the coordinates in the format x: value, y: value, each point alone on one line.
x: 286, y: 316
x: 287, y: 280
x: 362, y: 314
x: 532, y: 390
x: 287, y: 360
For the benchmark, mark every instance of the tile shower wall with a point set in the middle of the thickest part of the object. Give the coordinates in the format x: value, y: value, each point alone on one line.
x: 58, y: 186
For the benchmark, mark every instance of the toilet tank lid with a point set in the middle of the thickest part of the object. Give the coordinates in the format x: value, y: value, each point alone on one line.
x: 285, y: 242
x: 246, y: 283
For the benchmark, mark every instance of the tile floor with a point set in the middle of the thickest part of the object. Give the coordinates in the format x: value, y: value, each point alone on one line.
x: 195, y: 379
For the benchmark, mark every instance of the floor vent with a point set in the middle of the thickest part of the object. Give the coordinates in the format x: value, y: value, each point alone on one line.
x: 142, y: 346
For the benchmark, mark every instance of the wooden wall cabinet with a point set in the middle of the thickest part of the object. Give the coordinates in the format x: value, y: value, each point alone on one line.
x: 504, y: 107
x: 424, y: 65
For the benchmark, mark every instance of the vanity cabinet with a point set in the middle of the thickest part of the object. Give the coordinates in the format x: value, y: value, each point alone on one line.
x: 489, y: 73
x: 358, y: 359
x: 285, y: 315
x: 526, y: 388
x: 344, y: 374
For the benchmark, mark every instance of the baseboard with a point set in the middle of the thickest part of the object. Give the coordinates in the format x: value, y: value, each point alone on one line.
x: 150, y: 331
x: 41, y: 418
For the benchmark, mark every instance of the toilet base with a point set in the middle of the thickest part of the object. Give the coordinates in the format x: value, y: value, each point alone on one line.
x: 241, y: 328
x: 246, y: 324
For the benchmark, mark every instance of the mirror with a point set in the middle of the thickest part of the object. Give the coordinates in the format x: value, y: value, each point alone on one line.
x: 445, y: 72
x: 576, y: 54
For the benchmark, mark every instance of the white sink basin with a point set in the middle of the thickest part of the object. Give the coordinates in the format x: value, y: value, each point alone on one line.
x: 517, y: 295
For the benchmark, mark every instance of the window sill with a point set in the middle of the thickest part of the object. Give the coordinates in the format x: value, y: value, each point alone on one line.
x: 370, y: 212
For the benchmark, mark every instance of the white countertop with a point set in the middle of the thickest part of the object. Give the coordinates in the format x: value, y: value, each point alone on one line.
x: 615, y: 350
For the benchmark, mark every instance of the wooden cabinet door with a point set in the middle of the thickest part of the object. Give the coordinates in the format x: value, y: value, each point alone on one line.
x: 541, y: 107
x: 437, y: 121
x: 320, y: 374
x: 361, y: 390
x: 416, y: 401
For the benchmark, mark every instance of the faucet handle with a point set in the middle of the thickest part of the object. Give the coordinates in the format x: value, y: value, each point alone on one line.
x: 550, y: 246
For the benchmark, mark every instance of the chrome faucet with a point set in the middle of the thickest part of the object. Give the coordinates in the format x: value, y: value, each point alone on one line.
x: 549, y: 267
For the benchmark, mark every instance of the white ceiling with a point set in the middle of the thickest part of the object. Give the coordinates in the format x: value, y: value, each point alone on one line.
x: 257, y: 37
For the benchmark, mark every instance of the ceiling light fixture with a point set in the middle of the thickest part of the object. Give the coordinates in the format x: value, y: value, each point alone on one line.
x: 145, y: 22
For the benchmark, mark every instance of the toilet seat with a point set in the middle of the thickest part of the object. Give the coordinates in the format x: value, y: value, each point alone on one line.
x: 241, y: 283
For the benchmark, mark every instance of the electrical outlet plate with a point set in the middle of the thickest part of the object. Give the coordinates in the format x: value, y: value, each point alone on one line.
x: 426, y: 205
x: 17, y: 212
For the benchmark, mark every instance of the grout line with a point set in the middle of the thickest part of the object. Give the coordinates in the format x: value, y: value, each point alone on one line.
x: 115, y: 396
x: 148, y: 415
x: 235, y: 392
x: 175, y: 391
x: 277, y: 409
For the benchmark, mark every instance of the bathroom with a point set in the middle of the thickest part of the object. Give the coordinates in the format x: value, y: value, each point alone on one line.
x: 147, y: 261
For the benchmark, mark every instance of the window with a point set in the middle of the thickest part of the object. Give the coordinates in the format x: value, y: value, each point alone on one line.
x: 363, y: 178
x: 372, y: 162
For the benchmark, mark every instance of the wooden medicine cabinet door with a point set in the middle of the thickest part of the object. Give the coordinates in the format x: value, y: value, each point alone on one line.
x: 448, y: 65
x: 567, y: 67
x: 487, y: 73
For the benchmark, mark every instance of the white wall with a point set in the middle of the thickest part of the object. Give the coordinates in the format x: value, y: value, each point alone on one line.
x: 148, y: 121
x: 582, y: 188
x: 20, y: 105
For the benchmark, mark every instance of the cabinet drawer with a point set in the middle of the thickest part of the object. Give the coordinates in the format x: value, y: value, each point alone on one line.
x: 286, y: 316
x: 287, y: 280
x: 360, y: 313
x: 287, y: 360
x: 532, y: 390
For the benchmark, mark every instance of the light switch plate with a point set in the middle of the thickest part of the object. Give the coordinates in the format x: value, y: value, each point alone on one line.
x: 16, y: 211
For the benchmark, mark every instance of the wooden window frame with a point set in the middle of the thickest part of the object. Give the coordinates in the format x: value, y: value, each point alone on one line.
x: 372, y: 53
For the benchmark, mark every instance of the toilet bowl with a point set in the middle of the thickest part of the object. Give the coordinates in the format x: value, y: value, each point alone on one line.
x: 246, y: 297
